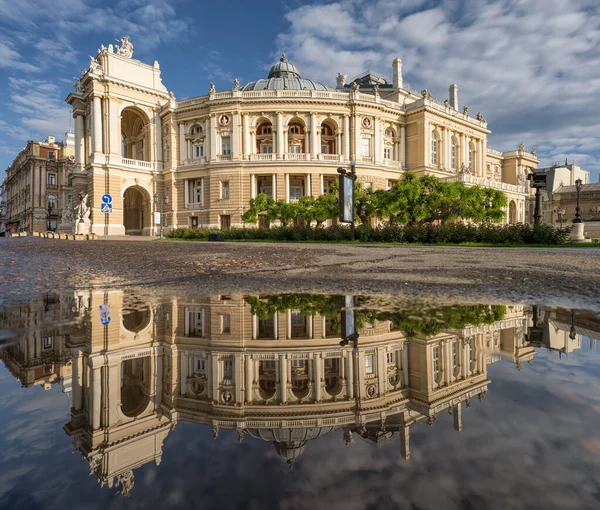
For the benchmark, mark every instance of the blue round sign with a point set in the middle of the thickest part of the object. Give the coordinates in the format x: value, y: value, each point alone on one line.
x: 106, y: 199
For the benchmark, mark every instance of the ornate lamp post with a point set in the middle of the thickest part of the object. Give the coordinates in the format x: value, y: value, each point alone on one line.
x: 561, y: 214
x: 578, y: 185
x: 160, y: 204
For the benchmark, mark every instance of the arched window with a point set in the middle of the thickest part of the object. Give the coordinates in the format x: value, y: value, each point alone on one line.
x: 434, y: 148
x: 295, y: 130
x: 196, y: 130
x: 453, y: 155
x: 52, y: 201
x: 471, y: 158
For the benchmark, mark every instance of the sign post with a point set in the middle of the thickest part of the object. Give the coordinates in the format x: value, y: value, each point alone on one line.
x: 346, y: 197
x: 106, y: 208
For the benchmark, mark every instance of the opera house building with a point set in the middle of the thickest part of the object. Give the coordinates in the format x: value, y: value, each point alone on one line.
x: 280, y: 369
x: 200, y: 160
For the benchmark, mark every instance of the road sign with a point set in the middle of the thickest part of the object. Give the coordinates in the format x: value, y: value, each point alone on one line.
x: 106, y: 208
x: 106, y: 199
x: 105, y: 314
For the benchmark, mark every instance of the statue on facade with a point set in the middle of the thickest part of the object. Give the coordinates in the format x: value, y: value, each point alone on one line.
x: 67, y: 216
x: 110, y: 49
x: 480, y: 117
x: 376, y: 90
x: 211, y: 88
x: 95, y: 463
x: 424, y: 93
x: 521, y: 146
x: 340, y: 79
x: 521, y: 180
x: 534, y: 153
x: 172, y: 96
x: 126, y: 48
x: 82, y: 211
x: 95, y: 66
x: 446, y: 103
x: 236, y: 85
x: 126, y: 481
x: 465, y: 169
x: 77, y: 85
x: 466, y: 110
x: 355, y: 85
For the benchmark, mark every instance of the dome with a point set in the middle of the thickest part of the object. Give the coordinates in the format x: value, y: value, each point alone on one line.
x: 285, y: 76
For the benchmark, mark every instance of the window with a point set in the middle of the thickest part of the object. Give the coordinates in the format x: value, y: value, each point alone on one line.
x: 197, y: 195
x: 225, y: 190
x: 369, y: 364
x: 197, y: 130
x: 295, y: 130
x: 434, y: 149
x: 324, y: 149
x: 194, y: 324
x: 295, y: 149
x: 489, y: 170
x: 225, y: 323
x: 453, y: 155
x: 454, y: 355
x: 366, y: 147
x: 47, y: 342
x: 295, y: 193
x: 297, y: 363
x: 435, y: 357
x: 390, y: 358
x: 52, y: 156
x: 226, y: 146
x: 266, y: 149
x: 200, y: 365
x: 267, y: 130
x: 51, y: 179
x: 198, y: 151
x: 387, y: 153
x: 228, y: 369
x: 52, y: 201
x: 470, y: 158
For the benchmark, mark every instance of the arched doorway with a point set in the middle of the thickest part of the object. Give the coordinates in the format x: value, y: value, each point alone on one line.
x: 136, y: 211
x: 134, y: 135
x: 135, y: 386
x: 512, y: 212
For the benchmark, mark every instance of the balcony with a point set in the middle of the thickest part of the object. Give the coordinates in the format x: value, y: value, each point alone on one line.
x: 335, y: 158
x: 296, y: 156
x: 137, y: 163
x: 223, y: 157
x: 487, y: 183
x: 263, y: 156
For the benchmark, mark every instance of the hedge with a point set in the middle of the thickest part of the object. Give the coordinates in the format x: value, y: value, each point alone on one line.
x: 455, y: 233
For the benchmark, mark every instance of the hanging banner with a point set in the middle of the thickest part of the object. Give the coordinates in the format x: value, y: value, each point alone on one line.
x: 346, y: 198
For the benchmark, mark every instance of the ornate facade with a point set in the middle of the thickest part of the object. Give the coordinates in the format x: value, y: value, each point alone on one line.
x: 202, y: 159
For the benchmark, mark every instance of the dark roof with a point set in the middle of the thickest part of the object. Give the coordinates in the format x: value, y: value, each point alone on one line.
x: 593, y: 186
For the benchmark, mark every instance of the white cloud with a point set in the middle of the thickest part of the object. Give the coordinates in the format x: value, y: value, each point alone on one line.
x: 10, y: 58
x: 531, y: 66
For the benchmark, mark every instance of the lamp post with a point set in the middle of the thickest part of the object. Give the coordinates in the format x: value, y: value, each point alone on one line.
x: 49, y: 213
x: 160, y: 203
x: 561, y: 213
x: 578, y: 185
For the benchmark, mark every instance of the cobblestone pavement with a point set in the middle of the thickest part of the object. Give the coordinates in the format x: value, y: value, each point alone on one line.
x: 565, y: 277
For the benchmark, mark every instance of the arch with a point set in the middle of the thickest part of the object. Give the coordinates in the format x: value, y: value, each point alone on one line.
x: 135, y: 321
x: 512, y: 212
x: 51, y: 201
x: 196, y: 129
x: 435, y: 147
x: 135, y: 133
x: 135, y: 386
x: 267, y: 383
x: 264, y: 136
x: 328, y: 137
x: 332, y: 373
x: 137, y: 211
x: 299, y: 378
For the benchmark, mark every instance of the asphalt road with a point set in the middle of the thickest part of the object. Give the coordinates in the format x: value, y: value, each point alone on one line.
x: 567, y: 277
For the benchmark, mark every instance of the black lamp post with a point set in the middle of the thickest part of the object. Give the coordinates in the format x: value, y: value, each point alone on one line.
x: 160, y: 204
x: 49, y: 213
x: 578, y: 185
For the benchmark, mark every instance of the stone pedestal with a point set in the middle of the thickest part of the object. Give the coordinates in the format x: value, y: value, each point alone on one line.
x: 577, y: 232
x: 82, y: 228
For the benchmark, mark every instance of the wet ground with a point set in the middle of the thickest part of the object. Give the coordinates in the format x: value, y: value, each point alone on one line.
x: 183, y: 375
x: 562, y: 277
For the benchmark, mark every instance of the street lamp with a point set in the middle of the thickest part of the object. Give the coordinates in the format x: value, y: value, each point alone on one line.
x: 578, y: 185
x: 160, y: 204
x: 49, y: 213
x: 561, y: 213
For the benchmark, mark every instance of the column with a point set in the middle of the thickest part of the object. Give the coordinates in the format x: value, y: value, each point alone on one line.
x: 279, y: 128
x: 321, y: 188
x: 213, y: 137
x: 252, y: 143
x: 276, y: 325
x: 314, y: 142
x: 463, y: 150
x: 254, y: 326
x: 246, y: 136
x: 77, y: 380
x: 378, y: 149
x: 182, y: 151
x: 405, y: 442
x: 357, y: 139
x: 444, y: 148
x: 79, y: 141
x: 283, y: 377
x: 288, y: 324
x: 158, y: 134
x: 238, y: 376
x: 484, y: 155
x: 403, y: 145
x: 346, y: 136
x: 96, y: 377
x: 350, y: 374
x: 427, y: 142
x: 318, y: 361
x: 274, y: 186
x: 405, y: 370
x: 457, y: 416
x: 287, y: 188
x: 308, y: 186
x: 480, y: 170
x: 185, y: 372
x: 214, y: 376
x: 309, y: 324
x: 252, y: 186
x: 249, y: 378
x: 113, y: 376
x: 338, y: 142
x: 235, y: 139
x: 97, y: 124
x: 186, y: 193
x: 207, y: 141
x: 381, y: 369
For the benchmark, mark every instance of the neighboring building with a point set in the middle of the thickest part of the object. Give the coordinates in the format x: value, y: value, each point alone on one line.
x: 284, y: 136
x: 38, y: 183
x: 565, y: 198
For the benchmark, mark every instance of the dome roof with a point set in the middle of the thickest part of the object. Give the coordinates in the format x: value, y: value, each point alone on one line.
x: 285, y: 76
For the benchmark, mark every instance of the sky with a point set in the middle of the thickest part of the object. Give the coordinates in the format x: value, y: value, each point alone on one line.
x: 532, y: 67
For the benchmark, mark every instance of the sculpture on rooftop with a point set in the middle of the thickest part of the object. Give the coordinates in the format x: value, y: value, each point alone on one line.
x: 534, y: 153
x: 126, y: 48
x: 521, y: 146
x: 77, y: 85
x: 211, y: 88
x: 446, y: 103
x: 466, y: 110
x: 376, y: 90
x: 355, y: 85
x: 236, y: 85
x: 480, y: 117
x: 341, y: 79
x: 95, y: 66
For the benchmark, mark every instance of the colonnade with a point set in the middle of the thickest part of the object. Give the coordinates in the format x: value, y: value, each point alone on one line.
x: 463, y: 144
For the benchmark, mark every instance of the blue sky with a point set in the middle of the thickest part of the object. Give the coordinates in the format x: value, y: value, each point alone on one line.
x: 532, y: 67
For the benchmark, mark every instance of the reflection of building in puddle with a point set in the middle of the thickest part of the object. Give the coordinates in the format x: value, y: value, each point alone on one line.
x: 274, y: 371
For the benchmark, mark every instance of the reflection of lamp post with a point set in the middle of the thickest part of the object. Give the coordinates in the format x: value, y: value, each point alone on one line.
x: 160, y: 204
x: 577, y: 209
x: 561, y: 213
